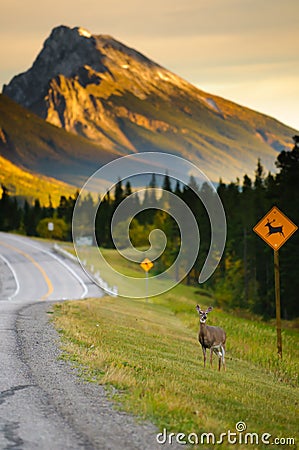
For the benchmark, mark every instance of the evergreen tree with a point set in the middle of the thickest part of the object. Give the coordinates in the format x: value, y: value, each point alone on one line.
x: 128, y: 189
x: 103, y: 222
x: 177, y: 190
x: 288, y: 185
x: 118, y: 194
x: 4, y: 209
x: 152, y: 198
x: 50, y: 207
x: 248, y: 222
x: 166, y: 183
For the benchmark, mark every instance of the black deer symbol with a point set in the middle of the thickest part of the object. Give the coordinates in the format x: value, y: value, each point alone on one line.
x: 273, y: 230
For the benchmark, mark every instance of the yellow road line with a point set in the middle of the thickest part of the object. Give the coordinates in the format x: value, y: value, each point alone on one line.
x: 36, y: 264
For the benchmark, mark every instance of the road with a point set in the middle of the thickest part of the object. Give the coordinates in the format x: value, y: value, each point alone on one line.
x: 44, y: 404
x: 40, y: 274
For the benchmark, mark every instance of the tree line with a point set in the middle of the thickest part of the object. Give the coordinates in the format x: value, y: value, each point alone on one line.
x: 244, y: 278
x: 32, y: 219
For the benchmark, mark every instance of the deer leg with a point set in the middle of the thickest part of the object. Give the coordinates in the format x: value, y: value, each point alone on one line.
x: 219, y: 355
x: 204, y: 351
x: 211, y: 356
x: 223, y: 356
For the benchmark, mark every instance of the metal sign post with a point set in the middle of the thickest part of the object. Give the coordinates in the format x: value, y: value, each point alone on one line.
x: 276, y: 228
x: 146, y: 265
x: 146, y: 286
x: 277, y: 302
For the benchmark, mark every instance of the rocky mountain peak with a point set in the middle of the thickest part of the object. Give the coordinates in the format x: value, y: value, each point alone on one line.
x: 63, y: 53
x: 69, y: 52
x: 97, y: 87
x: 76, y: 72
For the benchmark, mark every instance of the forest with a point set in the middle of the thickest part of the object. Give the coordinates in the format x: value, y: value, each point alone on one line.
x: 244, y: 278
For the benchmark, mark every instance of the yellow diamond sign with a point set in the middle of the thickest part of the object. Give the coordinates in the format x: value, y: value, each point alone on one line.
x: 275, y: 228
x: 146, y: 264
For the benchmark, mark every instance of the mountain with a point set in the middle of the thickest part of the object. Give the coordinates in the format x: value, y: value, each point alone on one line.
x: 109, y: 95
x: 34, y: 145
x: 24, y: 184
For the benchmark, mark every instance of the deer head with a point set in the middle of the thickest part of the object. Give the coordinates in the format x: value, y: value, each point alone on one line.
x: 203, y: 315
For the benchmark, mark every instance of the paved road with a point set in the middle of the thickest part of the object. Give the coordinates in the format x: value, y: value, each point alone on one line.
x: 43, y: 403
x: 37, y: 273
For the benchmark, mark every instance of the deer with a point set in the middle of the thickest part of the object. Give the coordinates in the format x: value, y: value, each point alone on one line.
x: 273, y: 230
x: 210, y: 337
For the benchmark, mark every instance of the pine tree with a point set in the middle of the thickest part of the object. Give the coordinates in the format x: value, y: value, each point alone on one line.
x: 4, y: 209
x: 152, y: 198
x: 118, y: 194
x: 177, y: 190
x: 166, y: 183
x: 128, y: 189
x: 103, y: 222
x: 288, y: 185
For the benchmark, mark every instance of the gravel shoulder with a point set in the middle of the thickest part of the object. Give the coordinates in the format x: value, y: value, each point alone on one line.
x: 87, y: 418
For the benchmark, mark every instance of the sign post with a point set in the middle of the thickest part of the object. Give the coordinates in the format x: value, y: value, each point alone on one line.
x: 276, y: 228
x: 277, y: 302
x: 146, y: 265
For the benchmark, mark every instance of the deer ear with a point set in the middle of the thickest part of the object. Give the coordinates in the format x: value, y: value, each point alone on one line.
x: 209, y: 309
x: 198, y: 308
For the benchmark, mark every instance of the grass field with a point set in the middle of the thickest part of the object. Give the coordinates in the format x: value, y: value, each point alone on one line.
x: 118, y: 271
x: 149, y: 352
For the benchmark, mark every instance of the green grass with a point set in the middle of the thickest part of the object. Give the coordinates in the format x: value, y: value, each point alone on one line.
x: 122, y: 266
x: 181, y: 301
x: 149, y: 352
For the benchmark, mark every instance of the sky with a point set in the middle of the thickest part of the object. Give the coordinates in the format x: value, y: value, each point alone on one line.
x: 246, y: 51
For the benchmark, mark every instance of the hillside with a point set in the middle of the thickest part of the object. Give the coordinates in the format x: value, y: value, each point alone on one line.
x: 149, y: 352
x: 23, y: 184
x: 32, y: 144
x: 99, y: 89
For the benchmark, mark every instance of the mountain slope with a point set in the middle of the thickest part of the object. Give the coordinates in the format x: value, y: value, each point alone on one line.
x: 98, y: 88
x: 23, y: 184
x: 35, y: 145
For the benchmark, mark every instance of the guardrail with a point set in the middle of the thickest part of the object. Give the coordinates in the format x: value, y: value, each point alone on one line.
x: 65, y: 253
x: 113, y: 291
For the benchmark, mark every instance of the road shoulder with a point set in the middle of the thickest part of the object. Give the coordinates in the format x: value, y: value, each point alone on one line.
x: 85, y: 407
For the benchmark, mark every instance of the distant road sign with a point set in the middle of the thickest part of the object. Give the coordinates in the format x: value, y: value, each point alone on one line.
x: 275, y: 228
x: 146, y: 264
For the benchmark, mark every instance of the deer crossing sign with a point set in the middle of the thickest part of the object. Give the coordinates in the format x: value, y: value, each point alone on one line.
x: 275, y: 228
x: 146, y: 264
